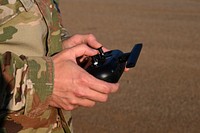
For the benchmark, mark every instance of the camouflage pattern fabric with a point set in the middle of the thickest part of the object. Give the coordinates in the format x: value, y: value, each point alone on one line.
x: 26, y: 78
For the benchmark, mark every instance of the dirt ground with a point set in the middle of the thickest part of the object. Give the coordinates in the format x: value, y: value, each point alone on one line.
x: 162, y: 93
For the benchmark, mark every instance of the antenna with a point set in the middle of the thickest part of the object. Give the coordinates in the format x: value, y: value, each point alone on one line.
x: 133, y: 57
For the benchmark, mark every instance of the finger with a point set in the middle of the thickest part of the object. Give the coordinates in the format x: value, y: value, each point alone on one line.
x: 88, y: 39
x: 126, y: 69
x: 91, y: 94
x: 83, y: 49
x: 72, y: 101
x: 85, y: 102
x: 92, y: 42
x: 101, y: 86
x: 74, y: 40
x: 105, y: 49
x: 96, y: 96
x: 63, y: 103
x: 76, y: 51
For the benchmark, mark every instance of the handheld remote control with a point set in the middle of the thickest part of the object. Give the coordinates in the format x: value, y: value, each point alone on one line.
x: 109, y: 66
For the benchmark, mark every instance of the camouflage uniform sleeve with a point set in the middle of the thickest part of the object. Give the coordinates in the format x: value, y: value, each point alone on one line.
x: 26, y: 82
x: 64, y: 32
x: 20, y: 75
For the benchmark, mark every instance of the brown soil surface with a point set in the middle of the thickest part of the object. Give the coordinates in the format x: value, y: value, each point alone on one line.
x: 162, y: 93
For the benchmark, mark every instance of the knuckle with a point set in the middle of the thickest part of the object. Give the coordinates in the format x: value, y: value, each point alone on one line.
x: 79, y: 92
x: 69, y: 108
x: 76, y: 36
x: 116, y: 88
x: 73, y: 102
x: 91, y: 37
x: 83, y: 80
x: 107, y: 90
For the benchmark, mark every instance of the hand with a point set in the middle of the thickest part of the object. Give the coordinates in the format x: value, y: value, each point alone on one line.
x: 88, y: 39
x: 73, y: 86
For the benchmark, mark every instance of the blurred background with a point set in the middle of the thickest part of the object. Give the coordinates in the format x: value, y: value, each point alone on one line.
x: 162, y: 93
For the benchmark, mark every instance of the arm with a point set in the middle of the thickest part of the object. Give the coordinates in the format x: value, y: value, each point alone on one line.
x: 37, y: 73
x: 20, y: 74
x: 73, y: 86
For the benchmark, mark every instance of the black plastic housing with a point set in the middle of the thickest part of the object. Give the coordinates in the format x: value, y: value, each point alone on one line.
x: 109, y: 66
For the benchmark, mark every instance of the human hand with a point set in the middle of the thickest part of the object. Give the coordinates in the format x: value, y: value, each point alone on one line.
x: 73, y: 86
x: 88, y: 39
x: 78, y: 39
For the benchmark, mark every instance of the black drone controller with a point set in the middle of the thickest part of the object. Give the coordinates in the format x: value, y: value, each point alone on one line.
x: 109, y: 66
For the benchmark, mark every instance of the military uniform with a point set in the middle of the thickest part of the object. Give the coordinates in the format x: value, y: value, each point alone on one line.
x: 30, y: 33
